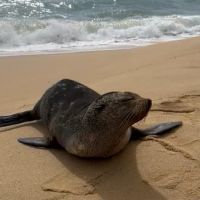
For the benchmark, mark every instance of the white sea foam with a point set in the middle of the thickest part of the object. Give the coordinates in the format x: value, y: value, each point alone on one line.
x: 35, y: 35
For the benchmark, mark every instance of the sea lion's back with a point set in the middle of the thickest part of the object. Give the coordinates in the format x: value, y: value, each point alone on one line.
x: 66, y: 96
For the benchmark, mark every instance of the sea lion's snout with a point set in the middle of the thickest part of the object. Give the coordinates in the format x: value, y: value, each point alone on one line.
x: 144, y: 106
x: 139, y: 108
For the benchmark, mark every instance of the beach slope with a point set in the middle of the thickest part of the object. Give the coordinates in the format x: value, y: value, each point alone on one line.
x: 154, y: 168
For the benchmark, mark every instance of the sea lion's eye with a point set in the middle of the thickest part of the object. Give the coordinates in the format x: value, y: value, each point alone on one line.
x: 127, y: 99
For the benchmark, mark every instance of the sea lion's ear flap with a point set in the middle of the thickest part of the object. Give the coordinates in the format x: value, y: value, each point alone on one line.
x: 100, y: 107
x: 40, y: 142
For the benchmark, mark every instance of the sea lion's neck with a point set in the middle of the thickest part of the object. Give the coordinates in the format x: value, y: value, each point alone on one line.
x: 103, y: 127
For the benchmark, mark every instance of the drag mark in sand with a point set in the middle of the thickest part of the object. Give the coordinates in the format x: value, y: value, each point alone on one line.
x: 171, y: 147
x: 183, y: 104
x: 61, y: 184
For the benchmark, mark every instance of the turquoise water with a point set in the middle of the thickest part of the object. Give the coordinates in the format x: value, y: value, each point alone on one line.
x: 50, y: 25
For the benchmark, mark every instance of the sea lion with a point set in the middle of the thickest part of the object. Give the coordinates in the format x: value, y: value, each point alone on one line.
x: 86, y: 123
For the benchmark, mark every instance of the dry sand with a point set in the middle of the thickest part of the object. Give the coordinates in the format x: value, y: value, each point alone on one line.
x: 153, y: 169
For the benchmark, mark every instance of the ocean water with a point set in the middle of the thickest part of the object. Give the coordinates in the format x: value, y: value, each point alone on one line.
x: 78, y: 25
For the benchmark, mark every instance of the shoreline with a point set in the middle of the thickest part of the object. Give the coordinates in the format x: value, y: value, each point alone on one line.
x: 93, y: 49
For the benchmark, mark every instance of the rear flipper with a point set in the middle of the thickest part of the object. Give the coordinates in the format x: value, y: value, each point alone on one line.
x: 17, y: 118
x: 155, y: 130
x: 42, y: 142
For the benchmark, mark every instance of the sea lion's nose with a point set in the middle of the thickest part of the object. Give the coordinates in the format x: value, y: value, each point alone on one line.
x: 149, y: 103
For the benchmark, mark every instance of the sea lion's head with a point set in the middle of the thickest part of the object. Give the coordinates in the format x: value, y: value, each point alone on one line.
x: 117, y: 109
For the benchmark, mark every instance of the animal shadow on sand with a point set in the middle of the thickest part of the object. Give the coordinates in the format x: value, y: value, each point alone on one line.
x: 116, y: 178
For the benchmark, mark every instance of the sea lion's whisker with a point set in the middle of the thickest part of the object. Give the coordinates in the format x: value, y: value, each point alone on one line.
x: 125, y: 119
x: 130, y: 116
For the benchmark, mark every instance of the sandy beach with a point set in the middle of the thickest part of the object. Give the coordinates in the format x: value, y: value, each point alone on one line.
x: 164, y: 168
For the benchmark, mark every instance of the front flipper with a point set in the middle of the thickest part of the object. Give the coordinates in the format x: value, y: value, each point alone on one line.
x: 155, y: 130
x: 42, y: 142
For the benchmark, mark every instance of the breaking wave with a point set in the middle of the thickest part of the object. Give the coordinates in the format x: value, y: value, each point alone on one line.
x: 58, y: 34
